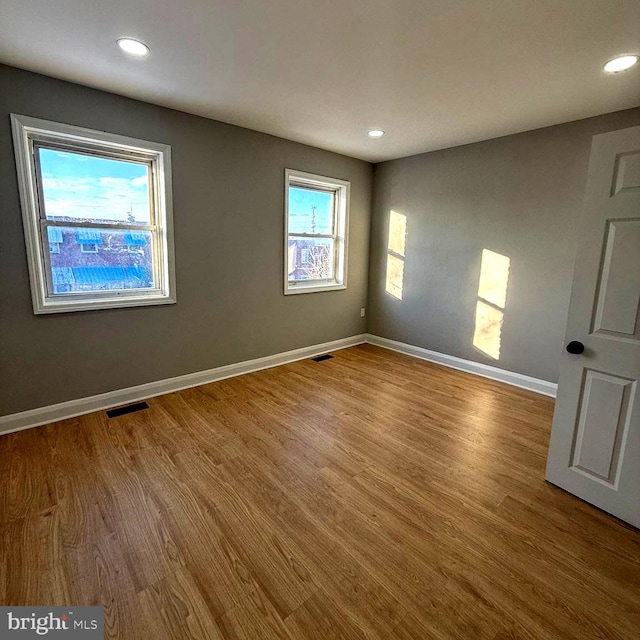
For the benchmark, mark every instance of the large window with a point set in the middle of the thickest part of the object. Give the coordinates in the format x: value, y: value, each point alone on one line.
x: 316, y: 224
x: 97, y: 217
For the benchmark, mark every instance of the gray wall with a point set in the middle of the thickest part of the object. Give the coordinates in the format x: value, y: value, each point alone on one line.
x: 520, y: 196
x: 228, y: 186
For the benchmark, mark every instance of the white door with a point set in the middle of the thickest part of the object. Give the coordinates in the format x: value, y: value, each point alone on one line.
x: 595, y: 443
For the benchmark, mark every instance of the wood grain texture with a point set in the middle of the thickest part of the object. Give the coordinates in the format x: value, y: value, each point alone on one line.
x: 367, y: 496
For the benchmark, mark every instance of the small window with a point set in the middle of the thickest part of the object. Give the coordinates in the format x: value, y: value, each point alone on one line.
x: 97, y: 217
x: 316, y: 223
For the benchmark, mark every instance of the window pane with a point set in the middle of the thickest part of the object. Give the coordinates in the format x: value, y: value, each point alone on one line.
x: 310, y: 211
x: 77, y: 186
x: 100, y: 259
x: 311, y: 259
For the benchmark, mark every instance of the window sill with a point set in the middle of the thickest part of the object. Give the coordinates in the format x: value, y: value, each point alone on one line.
x: 114, y: 302
x: 313, y: 288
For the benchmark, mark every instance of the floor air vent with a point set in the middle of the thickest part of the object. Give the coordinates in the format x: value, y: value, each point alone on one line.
x: 326, y: 356
x: 130, y: 408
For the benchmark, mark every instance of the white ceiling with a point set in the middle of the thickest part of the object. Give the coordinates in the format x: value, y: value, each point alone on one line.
x: 431, y: 73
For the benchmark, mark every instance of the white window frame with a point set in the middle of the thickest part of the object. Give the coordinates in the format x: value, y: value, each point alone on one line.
x: 28, y: 131
x: 341, y: 190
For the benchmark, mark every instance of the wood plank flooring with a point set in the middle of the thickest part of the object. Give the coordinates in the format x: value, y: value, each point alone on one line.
x: 371, y: 495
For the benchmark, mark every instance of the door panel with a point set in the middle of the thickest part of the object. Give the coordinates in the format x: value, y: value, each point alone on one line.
x: 595, y: 441
x: 602, y: 423
x: 627, y: 172
x: 619, y: 290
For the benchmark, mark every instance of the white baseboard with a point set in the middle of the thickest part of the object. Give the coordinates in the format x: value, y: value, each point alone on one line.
x: 73, y: 408
x: 486, y: 371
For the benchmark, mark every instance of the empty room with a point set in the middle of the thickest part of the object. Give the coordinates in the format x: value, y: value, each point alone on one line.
x: 320, y: 320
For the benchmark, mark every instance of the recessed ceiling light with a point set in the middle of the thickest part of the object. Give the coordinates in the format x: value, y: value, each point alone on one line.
x: 133, y: 47
x: 375, y: 133
x: 621, y: 63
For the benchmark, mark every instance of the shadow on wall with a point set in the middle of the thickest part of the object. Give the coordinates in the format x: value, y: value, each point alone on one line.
x: 396, y: 254
x: 491, y: 302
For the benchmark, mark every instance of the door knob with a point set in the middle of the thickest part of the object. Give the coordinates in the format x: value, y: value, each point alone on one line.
x: 575, y: 347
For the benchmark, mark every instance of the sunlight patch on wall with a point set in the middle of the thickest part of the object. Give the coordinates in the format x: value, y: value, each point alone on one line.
x: 397, y: 232
x: 488, y: 329
x: 395, y: 276
x: 396, y: 254
x: 492, y: 300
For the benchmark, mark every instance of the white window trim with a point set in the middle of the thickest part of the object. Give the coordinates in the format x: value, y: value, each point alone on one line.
x: 342, y: 188
x: 26, y: 130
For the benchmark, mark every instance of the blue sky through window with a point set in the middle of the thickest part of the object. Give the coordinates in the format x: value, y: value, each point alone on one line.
x: 301, y: 203
x: 87, y: 187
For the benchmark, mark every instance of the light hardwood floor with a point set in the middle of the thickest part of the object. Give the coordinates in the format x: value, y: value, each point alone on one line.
x: 368, y: 496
